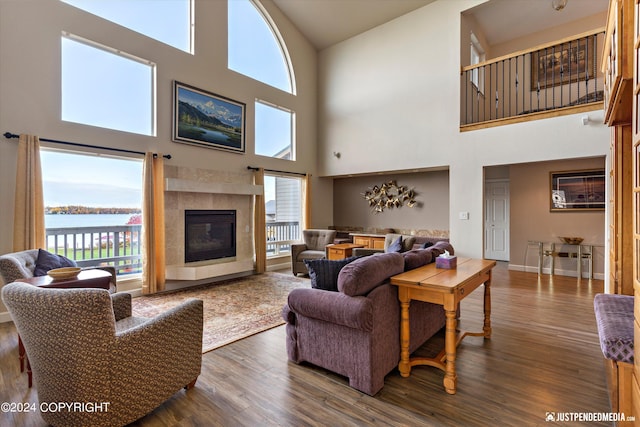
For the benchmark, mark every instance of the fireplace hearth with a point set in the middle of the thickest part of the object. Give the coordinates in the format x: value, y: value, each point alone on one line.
x: 209, y: 235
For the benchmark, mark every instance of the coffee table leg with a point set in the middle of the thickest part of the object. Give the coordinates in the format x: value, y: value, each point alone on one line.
x: 404, y: 366
x: 450, y: 377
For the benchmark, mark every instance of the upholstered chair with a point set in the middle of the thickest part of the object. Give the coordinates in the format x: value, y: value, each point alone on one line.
x: 85, y: 347
x: 314, y: 247
x: 21, y: 265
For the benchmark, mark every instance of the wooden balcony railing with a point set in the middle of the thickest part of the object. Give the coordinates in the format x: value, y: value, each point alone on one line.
x: 554, y: 79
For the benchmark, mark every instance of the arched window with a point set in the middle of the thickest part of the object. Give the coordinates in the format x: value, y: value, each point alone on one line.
x: 255, y: 47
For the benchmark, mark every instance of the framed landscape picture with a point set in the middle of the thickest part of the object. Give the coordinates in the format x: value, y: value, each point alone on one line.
x: 578, y: 190
x: 562, y: 64
x: 206, y: 119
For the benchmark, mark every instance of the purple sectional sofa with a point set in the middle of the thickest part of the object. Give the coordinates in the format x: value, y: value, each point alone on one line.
x: 355, y: 332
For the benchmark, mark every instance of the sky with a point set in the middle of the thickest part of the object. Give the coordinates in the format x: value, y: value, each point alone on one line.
x: 88, y: 67
x: 94, y: 181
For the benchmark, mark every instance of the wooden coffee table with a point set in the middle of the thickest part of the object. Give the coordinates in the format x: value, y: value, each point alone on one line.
x: 341, y: 250
x: 446, y: 288
x: 94, y: 278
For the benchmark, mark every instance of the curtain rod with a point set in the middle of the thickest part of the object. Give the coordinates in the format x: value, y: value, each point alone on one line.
x: 253, y: 168
x: 10, y: 135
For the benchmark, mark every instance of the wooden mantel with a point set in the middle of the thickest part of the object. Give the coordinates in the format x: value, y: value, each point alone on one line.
x: 190, y: 186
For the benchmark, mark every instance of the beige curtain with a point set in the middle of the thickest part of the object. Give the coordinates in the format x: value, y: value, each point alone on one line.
x: 153, y: 249
x: 259, y: 224
x: 306, y: 202
x: 28, y: 214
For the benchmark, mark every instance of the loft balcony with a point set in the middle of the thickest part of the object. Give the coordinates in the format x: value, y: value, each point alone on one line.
x: 558, y: 78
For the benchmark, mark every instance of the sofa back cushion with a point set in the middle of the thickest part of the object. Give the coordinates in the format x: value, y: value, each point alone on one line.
x: 363, y: 275
x: 439, y: 247
x: 406, y: 242
x: 417, y: 258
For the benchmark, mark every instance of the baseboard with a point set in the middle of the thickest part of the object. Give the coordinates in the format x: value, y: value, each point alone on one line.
x: 557, y: 272
x: 276, y: 267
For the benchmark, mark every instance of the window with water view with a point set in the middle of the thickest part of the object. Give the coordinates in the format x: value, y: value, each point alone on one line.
x: 93, y: 208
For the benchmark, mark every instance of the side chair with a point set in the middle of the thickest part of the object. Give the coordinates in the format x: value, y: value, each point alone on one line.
x: 84, y: 346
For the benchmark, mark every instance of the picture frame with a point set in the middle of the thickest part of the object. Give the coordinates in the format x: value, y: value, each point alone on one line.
x: 563, y: 64
x: 206, y: 119
x: 579, y: 190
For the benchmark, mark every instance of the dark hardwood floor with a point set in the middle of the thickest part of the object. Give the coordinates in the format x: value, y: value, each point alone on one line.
x: 543, y: 357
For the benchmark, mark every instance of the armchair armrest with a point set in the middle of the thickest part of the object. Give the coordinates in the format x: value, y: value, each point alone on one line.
x: 167, y: 346
x: 296, y: 248
x: 121, y: 305
x: 333, y: 307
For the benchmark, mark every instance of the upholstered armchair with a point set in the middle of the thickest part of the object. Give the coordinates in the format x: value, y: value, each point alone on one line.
x: 314, y: 247
x: 85, y: 347
x: 21, y: 265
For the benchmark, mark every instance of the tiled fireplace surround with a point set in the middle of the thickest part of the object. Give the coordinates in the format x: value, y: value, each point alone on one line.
x: 192, y: 188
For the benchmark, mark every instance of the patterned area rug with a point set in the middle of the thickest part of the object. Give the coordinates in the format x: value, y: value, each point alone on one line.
x: 233, y: 309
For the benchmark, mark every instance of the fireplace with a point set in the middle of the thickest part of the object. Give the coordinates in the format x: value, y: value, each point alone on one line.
x: 209, y: 234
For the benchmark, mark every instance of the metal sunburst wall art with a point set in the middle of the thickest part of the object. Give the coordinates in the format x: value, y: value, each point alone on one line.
x: 388, y: 196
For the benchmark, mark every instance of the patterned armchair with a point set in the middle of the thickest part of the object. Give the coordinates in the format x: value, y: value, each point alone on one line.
x: 314, y: 247
x: 20, y: 265
x: 84, y: 346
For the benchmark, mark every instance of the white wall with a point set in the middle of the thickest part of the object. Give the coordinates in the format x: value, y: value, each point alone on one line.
x: 30, y: 90
x: 389, y: 102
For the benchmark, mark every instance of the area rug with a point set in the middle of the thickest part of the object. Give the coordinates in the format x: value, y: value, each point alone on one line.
x: 233, y: 309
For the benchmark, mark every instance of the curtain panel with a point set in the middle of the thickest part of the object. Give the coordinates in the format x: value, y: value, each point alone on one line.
x: 153, y: 234
x: 259, y: 224
x: 28, y: 214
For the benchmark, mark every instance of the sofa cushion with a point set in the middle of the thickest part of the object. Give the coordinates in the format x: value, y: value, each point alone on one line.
x: 364, y: 274
x: 324, y: 272
x: 47, y: 261
x: 439, y: 247
x: 395, y: 246
x: 417, y: 258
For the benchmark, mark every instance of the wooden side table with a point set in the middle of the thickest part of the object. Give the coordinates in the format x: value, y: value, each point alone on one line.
x: 341, y: 250
x: 446, y: 288
x: 94, y: 278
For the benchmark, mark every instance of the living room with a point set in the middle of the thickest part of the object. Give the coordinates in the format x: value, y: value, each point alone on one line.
x: 386, y: 100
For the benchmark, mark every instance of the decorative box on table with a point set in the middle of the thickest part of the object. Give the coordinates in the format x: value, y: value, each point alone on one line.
x: 446, y: 261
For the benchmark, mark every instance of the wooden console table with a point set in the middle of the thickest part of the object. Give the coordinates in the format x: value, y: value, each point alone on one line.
x: 369, y: 241
x: 446, y: 288
x: 94, y: 278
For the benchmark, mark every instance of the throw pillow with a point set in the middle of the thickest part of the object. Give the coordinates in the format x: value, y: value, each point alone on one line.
x: 324, y: 272
x: 47, y: 261
x: 395, y: 246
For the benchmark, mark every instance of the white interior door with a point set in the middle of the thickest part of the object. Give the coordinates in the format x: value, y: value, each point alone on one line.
x: 496, y: 225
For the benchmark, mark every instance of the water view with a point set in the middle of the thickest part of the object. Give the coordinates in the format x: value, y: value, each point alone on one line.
x: 85, y: 220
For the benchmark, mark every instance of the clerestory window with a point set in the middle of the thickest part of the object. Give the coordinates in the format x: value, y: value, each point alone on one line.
x: 274, y: 131
x: 168, y: 21
x: 255, y: 47
x: 107, y: 88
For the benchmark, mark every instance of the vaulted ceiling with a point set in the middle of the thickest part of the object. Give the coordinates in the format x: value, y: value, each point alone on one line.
x: 327, y: 22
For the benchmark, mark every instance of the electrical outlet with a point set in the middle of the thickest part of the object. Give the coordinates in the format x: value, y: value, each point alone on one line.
x: 463, y: 215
